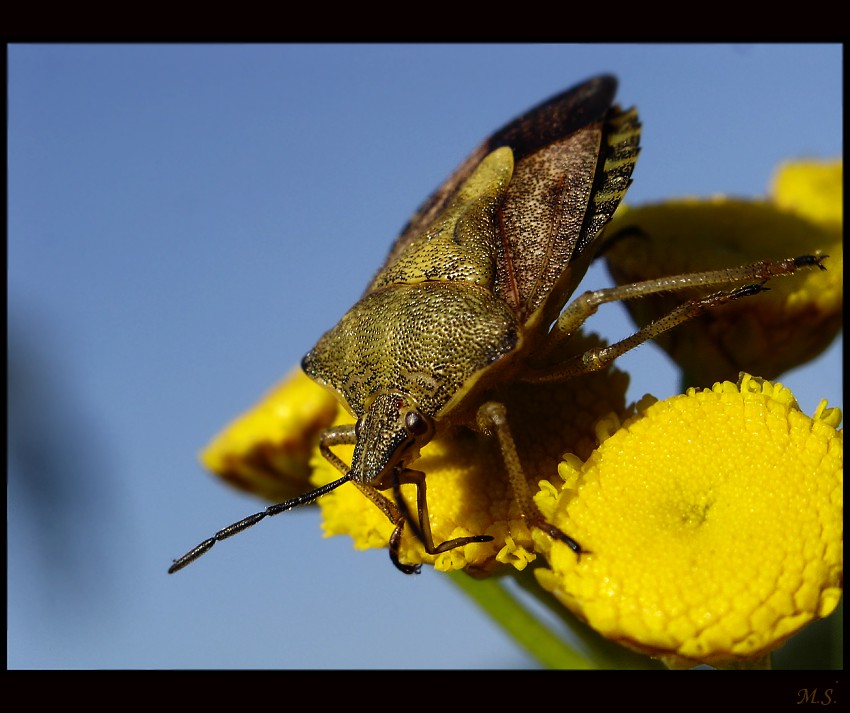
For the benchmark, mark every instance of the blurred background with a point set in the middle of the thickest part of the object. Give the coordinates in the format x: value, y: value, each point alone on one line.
x: 185, y: 221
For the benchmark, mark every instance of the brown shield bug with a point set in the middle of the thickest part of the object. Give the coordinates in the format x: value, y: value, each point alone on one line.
x: 472, y: 295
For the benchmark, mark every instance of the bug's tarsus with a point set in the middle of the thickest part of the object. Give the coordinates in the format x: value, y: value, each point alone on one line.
x: 811, y: 261
x: 747, y: 291
x: 561, y: 536
x: 557, y: 534
x: 252, y: 520
x: 395, y: 544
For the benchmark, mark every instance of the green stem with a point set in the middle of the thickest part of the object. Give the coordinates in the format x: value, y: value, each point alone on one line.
x: 520, y: 623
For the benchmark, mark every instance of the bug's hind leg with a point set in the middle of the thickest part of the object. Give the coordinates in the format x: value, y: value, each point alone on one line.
x: 578, y: 311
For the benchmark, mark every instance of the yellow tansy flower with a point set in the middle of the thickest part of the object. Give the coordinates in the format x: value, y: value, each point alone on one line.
x: 714, y: 521
x: 267, y: 450
x: 767, y: 334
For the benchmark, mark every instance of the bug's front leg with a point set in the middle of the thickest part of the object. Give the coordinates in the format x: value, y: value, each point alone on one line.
x: 492, y: 419
x: 346, y: 435
x: 337, y: 436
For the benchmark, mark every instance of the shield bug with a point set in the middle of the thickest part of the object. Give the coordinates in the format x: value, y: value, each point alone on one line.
x: 472, y: 296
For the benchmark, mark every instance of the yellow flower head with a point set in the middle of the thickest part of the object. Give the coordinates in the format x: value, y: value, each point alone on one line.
x: 767, y: 334
x: 714, y: 522
x: 468, y: 491
x: 267, y: 450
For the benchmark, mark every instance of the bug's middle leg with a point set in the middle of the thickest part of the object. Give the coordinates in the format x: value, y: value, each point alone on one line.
x: 399, y: 514
x: 492, y: 418
x: 422, y: 528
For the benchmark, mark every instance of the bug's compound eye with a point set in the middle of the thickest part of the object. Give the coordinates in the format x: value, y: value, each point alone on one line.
x: 358, y: 427
x: 416, y: 423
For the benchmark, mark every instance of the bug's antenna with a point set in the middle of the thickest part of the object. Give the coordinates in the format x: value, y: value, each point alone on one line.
x: 247, y: 522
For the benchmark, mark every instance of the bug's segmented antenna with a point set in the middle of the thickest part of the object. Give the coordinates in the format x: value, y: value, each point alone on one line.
x: 251, y: 520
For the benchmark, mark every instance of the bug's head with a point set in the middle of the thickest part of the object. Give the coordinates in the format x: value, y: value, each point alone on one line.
x: 390, y: 433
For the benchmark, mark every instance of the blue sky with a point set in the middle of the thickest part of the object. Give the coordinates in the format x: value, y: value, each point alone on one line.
x: 186, y: 221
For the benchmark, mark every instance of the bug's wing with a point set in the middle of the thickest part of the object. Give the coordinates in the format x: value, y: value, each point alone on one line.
x: 574, y: 157
x: 549, y: 217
